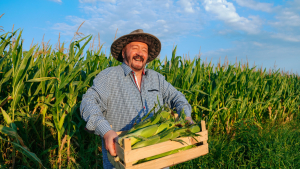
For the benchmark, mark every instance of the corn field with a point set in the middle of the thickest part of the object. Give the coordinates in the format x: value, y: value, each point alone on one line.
x: 41, y: 91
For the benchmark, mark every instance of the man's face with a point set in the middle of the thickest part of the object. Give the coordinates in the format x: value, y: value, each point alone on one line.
x: 135, y: 55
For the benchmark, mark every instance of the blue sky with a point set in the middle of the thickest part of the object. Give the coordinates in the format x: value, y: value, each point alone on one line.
x: 265, y: 32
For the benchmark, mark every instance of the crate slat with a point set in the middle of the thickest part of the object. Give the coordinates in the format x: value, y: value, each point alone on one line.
x: 170, y: 160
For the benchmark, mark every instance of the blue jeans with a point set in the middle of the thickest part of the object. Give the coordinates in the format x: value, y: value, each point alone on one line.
x: 106, y: 163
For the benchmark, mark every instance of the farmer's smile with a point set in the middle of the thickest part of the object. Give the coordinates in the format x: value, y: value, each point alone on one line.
x: 138, y: 58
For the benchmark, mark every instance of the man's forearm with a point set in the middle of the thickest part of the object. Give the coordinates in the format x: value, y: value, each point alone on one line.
x: 182, y: 104
x: 176, y: 99
x: 91, y: 112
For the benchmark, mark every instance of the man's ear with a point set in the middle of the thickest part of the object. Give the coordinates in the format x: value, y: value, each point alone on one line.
x: 123, y: 52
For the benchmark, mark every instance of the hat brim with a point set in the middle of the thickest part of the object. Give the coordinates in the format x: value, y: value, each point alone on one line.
x: 154, y: 45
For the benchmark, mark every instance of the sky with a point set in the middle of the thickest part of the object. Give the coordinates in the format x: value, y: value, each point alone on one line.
x: 265, y: 32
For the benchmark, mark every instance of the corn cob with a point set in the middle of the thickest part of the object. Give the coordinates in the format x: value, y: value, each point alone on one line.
x: 159, y: 116
x: 146, y: 128
x: 146, y: 132
x: 169, y: 134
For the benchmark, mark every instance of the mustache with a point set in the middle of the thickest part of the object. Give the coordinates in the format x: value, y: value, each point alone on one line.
x: 138, y: 57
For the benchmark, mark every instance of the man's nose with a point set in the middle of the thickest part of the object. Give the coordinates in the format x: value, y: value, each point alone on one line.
x: 140, y: 52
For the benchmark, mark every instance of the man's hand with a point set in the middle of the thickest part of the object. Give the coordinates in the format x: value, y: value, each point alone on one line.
x: 109, y: 142
x: 190, y: 120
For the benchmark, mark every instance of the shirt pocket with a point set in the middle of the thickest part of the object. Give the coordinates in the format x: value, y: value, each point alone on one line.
x: 153, y: 93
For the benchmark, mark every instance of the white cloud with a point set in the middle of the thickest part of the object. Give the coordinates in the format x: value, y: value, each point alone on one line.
x: 258, y: 44
x: 63, y: 27
x: 231, y: 34
x: 263, y: 54
x: 135, y: 12
x: 286, y: 37
x: 93, y: 1
x: 266, y: 7
x: 286, y: 22
x: 127, y: 15
x: 57, y: 1
x: 225, y: 11
x: 187, y: 5
x: 145, y: 26
x: 294, y: 4
x: 167, y: 5
x: 161, y: 21
x: 287, y: 17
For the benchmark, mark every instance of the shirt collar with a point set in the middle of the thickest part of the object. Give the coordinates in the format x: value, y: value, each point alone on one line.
x: 127, y: 69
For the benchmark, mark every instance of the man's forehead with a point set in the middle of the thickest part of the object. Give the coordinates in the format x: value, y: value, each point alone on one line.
x: 142, y: 44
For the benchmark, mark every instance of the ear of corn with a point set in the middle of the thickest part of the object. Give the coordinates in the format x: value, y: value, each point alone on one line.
x: 159, y: 116
x: 164, y: 126
x: 170, y: 134
x: 151, y: 141
x: 144, y: 132
x: 150, y: 127
x: 194, y: 128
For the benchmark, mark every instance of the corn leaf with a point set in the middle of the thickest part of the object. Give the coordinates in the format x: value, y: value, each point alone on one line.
x: 6, y: 116
x: 41, y: 79
x: 24, y: 151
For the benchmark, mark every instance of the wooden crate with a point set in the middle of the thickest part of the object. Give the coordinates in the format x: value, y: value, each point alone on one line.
x: 126, y: 156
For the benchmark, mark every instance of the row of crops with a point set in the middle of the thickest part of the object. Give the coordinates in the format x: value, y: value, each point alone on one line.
x: 41, y: 91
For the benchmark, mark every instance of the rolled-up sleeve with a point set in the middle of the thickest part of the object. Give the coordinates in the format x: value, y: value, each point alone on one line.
x: 93, y: 105
x: 174, y: 98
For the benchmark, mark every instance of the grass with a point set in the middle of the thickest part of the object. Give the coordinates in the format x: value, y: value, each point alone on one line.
x: 270, y: 145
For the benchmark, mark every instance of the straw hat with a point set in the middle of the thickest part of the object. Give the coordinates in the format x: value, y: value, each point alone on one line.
x: 154, y: 45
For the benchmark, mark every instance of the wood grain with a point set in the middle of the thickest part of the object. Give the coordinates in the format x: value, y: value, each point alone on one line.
x: 171, y: 160
x: 203, y: 128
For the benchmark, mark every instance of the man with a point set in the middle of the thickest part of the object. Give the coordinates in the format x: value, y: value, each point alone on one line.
x: 122, y: 93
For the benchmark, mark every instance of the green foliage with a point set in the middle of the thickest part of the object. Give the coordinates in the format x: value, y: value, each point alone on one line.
x: 271, y: 145
x: 41, y: 91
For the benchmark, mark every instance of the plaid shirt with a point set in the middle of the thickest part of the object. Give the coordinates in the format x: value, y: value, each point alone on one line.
x: 114, y: 99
